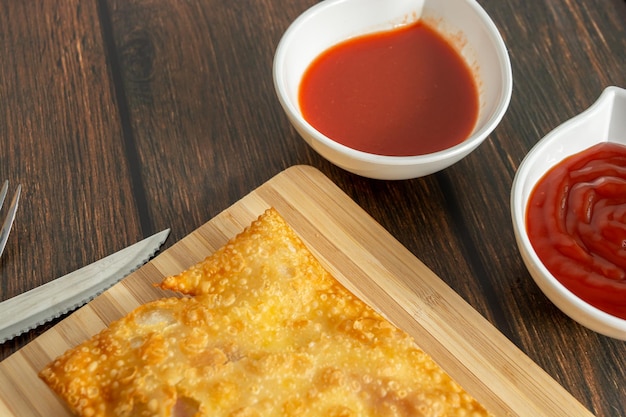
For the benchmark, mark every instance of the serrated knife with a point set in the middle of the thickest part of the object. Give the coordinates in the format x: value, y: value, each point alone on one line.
x: 62, y: 295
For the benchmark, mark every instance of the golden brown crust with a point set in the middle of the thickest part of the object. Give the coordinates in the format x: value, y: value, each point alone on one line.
x: 266, y: 332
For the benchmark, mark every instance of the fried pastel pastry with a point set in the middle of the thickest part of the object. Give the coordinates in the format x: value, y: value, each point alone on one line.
x: 265, y: 331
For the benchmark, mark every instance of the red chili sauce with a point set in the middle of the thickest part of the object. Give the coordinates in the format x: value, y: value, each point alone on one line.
x: 401, y: 92
x: 576, y: 221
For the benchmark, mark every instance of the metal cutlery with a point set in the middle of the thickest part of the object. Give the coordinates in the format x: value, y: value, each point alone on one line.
x: 62, y: 295
x: 8, y: 221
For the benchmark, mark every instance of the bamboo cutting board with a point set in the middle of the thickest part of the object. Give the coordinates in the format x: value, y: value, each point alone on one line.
x: 363, y: 256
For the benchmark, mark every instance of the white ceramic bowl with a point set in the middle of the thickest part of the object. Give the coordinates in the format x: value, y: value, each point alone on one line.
x: 604, y: 121
x: 463, y: 22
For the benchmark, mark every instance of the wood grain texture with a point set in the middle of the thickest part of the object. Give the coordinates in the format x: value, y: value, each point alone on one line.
x: 59, y: 138
x: 122, y: 118
x: 363, y: 256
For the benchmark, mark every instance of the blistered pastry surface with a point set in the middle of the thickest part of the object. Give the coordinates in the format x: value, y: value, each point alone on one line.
x: 264, y: 331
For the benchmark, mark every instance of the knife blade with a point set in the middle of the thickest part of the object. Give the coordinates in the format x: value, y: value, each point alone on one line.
x: 33, y: 308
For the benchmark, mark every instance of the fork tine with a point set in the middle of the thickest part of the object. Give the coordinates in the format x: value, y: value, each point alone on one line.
x: 3, y: 192
x: 8, y: 222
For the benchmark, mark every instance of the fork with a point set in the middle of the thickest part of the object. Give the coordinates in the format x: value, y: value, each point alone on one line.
x: 8, y: 221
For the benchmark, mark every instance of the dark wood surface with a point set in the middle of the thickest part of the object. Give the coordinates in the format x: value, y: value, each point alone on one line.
x: 122, y: 118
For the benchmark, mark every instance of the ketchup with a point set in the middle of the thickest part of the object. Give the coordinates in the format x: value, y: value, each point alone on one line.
x: 576, y: 221
x: 400, y: 92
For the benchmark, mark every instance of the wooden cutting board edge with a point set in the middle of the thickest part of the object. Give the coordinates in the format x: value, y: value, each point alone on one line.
x: 364, y: 257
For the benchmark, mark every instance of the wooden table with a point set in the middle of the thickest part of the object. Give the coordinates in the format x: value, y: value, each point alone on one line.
x: 122, y: 118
